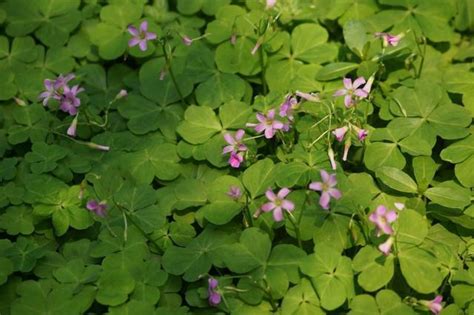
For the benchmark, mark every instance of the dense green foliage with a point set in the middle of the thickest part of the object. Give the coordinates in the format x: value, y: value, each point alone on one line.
x: 171, y: 224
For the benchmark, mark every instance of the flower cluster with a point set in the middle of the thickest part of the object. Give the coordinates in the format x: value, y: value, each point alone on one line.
x: 214, y: 296
x: 383, y: 219
x: 235, y: 147
x: 59, y: 90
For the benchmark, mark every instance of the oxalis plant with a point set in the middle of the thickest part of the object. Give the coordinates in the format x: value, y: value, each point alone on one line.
x: 236, y: 157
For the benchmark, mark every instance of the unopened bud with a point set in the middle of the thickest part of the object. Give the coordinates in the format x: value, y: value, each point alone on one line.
x: 98, y: 146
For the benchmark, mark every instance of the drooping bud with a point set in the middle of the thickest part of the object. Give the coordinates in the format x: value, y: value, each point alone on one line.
x: 71, y: 131
x: 331, y: 158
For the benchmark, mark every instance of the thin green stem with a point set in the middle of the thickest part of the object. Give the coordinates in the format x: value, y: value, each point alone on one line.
x: 171, y: 72
x: 297, y: 229
x: 262, y: 65
x: 247, y: 214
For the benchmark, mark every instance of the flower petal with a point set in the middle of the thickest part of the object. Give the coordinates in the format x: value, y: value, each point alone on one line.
x: 278, y: 214
x: 270, y: 195
x: 335, y: 193
x: 283, y: 193
x: 144, y: 26
x: 347, y: 83
x: 324, y: 200
x: 239, y: 134
x: 288, y: 205
x: 358, y: 82
x: 269, y: 206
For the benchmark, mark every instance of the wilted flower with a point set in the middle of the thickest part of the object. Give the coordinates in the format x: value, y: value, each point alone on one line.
x: 121, y: 94
x: 163, y: 73
x: 435, y: 305
x: 386, y: 247
x: 383, y: 219
x: 71, y: 131
x: 267, y: 124
x: 288, y: 106
x: 339, y: 133
x: 362, y: 134
x: 187, y: 40
x: 388, y: 39
x: 326, y: 187
x: 99, y: 208
x: 347, y: 146
x: 256, y: 47
x: 69, y: 100
x: 233, y: 39
x: 311, y: 97
x: 234, y: 192
x: 399, y: 205
x: 141, y: 36
x: 214, y: 296
x: 277, y: 203
x: 98, y: 146
x: 331, y: 158
x: 350, y: 89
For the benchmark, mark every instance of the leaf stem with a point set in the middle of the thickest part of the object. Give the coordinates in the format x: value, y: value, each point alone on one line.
x: 170, y: 69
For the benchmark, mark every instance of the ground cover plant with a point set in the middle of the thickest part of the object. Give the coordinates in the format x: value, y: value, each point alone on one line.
x: 236, y: 157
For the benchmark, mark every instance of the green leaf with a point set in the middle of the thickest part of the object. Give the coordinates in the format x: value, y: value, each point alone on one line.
x: 197, y: 258
x: 114, y: 287
x: 355, y: 36
x: 363, y: 304
x: 315, y: 50
x: 17, y: 220
x: 251, y: 252
x: 396, y: 179
x: 302, y: 299
x: 190, y: 193
x: 259, y: 177
x: 335, y: 70
x: 220, y: 88
x: 449, y: 194
x: 379, y: 154
x: 424, y: 168
x: 412, y: 228
x: 199, y: 125
x: 234, y: 114
x: 44, y: 157
x: 419, y: 268
x: 376, y: 270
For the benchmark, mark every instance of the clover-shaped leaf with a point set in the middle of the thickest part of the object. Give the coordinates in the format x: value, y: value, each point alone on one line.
x: 44, y: 158
x: 17, y: 220
x: 461, y: 153
x: 31, y: 123
x: 199, y: 125
x: 375, y: 269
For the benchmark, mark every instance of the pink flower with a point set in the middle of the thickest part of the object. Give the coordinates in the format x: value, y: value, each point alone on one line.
x: 267, y: 124
x: 234, y: 192
x: 235, y: 159
x: 71, y: 131
x: 386, y: 247
x: 388, y: 39
x: 326, y: 187
x: 69, y: 100
x: 141, y: 36
x: 288, y: 106
x: 339, y: 133
x: 235, y: 143
x: 235, y: 148
x: 350, y: 89
x: 99, y: 208
x: 214, y: 296
x: 383, y: 219
x: 270, y: 4
x: 187, y: 40
x: 278, y: 203
x: 54, y: 88
x: 435, y: 304
x: 362, y: 134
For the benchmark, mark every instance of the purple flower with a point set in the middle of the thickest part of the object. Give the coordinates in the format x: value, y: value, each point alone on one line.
x: 311, y: 97
x: 234, y: 192
x: 214, y: 296
x: 386, y: 247
x: 278, y: 203
x: 388, y: 39
x: 435, y: 304
x: 327, y: 189
x: 54, y: 88
x: 235, y: 143
x: 71, y: 131
x: 69, y: 100
x: 350, y: 89
x: 288, y: 106
x: 187, y: 40
x: 267, y: 124
x: 383, y: 219
x: 339, y: 133
x: 99, y: 208
x: 140, y: 37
